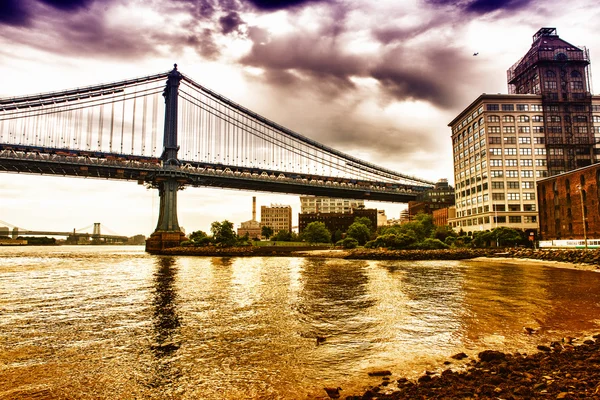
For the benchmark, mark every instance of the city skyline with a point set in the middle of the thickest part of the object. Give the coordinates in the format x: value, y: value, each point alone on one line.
x: 381, y: 91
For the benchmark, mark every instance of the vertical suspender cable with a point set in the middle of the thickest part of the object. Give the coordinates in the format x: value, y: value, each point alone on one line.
x: 112, y: 125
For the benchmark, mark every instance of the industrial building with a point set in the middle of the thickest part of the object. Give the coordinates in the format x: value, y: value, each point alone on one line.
x: 441, y: 196
x: 503, y: 143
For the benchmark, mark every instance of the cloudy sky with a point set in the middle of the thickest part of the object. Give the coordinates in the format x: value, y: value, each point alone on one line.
x: 376, y: 79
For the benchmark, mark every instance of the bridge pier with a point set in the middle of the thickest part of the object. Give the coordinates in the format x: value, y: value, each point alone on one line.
x: 168, y: 233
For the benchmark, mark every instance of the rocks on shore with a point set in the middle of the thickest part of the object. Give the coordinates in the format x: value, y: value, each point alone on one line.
x: 576, y: 256
x: 557, y: 372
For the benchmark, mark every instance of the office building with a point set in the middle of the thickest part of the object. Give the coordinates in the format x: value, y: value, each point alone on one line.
x: 278, y: 217
x: 504, y: 143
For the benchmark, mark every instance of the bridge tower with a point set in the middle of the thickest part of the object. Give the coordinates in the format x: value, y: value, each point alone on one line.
x: 167, y: 181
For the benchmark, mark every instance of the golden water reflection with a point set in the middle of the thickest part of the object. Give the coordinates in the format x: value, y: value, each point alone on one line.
x: 118, y: 323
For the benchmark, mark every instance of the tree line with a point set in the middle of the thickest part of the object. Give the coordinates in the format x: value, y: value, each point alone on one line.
x: 420, y: 233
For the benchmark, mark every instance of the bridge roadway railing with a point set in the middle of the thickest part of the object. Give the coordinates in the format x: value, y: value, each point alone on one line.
x: 151, y: 170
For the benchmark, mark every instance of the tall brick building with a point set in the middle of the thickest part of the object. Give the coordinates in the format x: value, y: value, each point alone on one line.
x: 565, y: 200
x: 548, y: 124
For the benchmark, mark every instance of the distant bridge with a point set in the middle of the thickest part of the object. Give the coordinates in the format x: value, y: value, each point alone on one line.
x: 111, y: 131
x: 73, y: 236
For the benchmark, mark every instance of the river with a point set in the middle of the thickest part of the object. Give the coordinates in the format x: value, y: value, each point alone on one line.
x: 113, y: 322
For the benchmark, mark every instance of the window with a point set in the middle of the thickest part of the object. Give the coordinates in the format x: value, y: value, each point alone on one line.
x: 495, y: 139
x: 508, y: 118
x: 512, y: 196
x: 527, y: 174
x: 497, y: 185
x: 510, y: 140
x: 493, y: 118
x: 576, y: 85
x: 528, y: 207
x: 536, y: 107
x: 514, y: 219
x: 512, y: 184
x: 527, y: 219
x: 500, y: 220
x: 524, y: 129
x: 526, y: 163
x: 525, y: 140
x: 537, y: 118
x: 540, y: 162
x: 512, y: 174
x: 511, y: 162
x: 523, y: 118
x: 496, y: 152
x: 522, y: 107
x: 496, y: 174
x: 528, y: 196
x: 539, y: 140
x: 540, y: 152
x: 538, y: 129
x: 492, y: 107
x: 580, y: 118
x: 499, y: 207
x: 508, y: 129
x: 555, y: 118
x: 550, y: 85
x: 497, y: 196
x: 527, y: 185
x: 508, y: 107
x: 495, y: 163
x: 510, y: 152
x: 525, y: 152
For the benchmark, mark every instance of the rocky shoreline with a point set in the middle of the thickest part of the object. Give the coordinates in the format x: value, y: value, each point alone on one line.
x: 591, y: 257
x: 558, y: 371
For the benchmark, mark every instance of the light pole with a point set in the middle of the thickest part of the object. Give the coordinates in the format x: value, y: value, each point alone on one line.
x: 583, y: 216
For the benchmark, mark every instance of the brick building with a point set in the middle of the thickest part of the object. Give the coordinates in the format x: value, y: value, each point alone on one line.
x: 560, y: 203
x: 441, y: 196
x: 337, y: 221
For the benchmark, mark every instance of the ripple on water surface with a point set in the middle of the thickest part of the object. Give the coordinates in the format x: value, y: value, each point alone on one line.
x: 114, y: 322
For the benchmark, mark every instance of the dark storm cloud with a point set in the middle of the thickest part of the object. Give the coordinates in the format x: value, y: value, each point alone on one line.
x: 294, y: 58
x: 230, y: 23
x: 13, y: 12
x: 482, y: 7
x: 68, y: 5
x: 274, y: 5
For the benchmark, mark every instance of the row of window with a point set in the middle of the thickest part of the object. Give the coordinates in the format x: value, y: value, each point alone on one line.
x: 539, y: 107
x: 511, y: 162
x: 512, y: 219
x: 512, y: 151
x: 540, y: 118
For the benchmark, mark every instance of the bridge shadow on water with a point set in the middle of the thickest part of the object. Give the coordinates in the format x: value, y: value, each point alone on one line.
x: 165, y: 322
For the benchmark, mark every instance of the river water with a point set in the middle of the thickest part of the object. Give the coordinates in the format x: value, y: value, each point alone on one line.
x: 114, y: 322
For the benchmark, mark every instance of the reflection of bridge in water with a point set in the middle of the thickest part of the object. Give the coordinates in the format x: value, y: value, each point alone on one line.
x: 112, y: 131
x: 74, y: 237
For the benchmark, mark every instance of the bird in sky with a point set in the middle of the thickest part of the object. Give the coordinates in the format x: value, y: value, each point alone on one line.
x: 474, y: 54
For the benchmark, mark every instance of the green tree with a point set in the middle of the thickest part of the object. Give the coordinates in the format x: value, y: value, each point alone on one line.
x: 360, y: 232
x: 442, y: 232
x: 337, y: 236
x: 365, y: 221
x: 266, y: 231
x: 316, y: 232
x: 507, y: 236
x: 282, y: 236
x: 223, y: 233
x: 199, y: 238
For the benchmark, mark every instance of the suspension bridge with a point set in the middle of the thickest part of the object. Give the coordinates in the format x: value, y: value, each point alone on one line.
x: 111, y: 131
x: 74, y: 236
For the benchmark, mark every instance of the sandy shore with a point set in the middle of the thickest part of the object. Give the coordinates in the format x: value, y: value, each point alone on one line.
x: 545, y: 263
